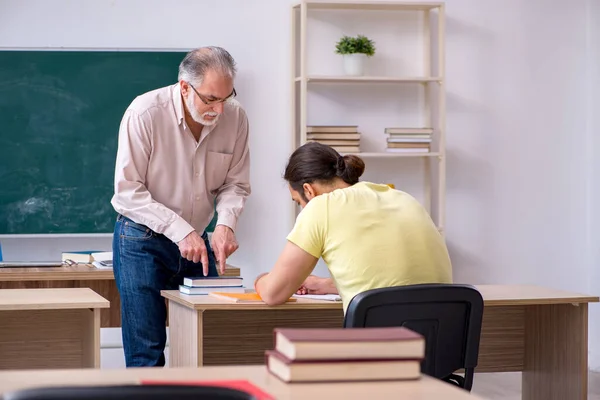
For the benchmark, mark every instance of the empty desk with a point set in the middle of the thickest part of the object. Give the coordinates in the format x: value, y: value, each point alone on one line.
x: 50, y: 328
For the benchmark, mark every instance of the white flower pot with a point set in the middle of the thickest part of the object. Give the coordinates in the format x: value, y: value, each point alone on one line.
x: 354, y: 64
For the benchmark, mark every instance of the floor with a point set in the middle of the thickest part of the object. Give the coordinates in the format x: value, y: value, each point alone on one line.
x: 507, y: 386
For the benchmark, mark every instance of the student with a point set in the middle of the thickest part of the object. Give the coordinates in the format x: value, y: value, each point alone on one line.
x: 370, y: 235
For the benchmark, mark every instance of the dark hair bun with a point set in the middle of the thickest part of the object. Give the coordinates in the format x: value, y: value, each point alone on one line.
x: 350, y: 168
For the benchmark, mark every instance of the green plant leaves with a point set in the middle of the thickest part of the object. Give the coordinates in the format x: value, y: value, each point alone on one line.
x: 352, y: 45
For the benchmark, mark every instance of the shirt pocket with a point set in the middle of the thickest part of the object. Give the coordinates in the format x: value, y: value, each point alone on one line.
x: 216, y: 168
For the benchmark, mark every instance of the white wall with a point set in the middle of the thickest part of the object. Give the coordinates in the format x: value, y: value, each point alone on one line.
x: 521, y: 182
x: 594, y: 149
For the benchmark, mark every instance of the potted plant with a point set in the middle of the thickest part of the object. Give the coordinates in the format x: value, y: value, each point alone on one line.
x: 355, y: 51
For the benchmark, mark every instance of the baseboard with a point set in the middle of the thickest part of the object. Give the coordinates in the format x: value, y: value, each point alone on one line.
x: 110, y: 338
x: 594, y: 361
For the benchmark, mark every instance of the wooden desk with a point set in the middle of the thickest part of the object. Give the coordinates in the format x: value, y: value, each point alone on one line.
x: 50, y: 328
x: 422, y: 389
x: 540, y: 331
x: 102, y: 281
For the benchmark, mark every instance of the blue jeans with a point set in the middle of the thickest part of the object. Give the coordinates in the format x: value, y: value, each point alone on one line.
x: 145, y: 263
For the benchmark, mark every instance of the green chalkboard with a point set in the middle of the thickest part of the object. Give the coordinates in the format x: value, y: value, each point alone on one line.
x: 59, y: 120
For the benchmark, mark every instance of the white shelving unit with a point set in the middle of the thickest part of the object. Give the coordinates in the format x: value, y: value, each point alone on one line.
x: 431, y: 80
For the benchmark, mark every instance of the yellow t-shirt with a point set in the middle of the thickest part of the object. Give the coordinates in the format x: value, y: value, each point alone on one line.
x: 372, y: 236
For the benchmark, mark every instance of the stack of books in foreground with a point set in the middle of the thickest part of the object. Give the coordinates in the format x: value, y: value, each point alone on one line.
x: 343, y: 138
x: 408, y: 140
x: 206, y: 284
x: 346, y: 354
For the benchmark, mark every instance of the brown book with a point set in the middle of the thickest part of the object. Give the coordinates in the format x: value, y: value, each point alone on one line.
x: 332, y: 128
x: 349, y: 343
x: 333, y: 135
x: 408, y: 145
x: 408, y: 131
x: 355, y: 143
x: 341, y: 370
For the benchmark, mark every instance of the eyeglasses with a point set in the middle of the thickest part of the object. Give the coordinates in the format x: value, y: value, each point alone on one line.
x: 211, y: 102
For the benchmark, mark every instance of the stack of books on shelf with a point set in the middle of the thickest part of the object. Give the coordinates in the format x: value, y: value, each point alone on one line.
x: 343, y: 138
x: 208, y: 284
x: 345, y: 354
x: 408, y: 140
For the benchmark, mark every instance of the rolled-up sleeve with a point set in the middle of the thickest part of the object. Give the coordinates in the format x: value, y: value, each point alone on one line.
x: 132, y: 198
x: 232, y: 195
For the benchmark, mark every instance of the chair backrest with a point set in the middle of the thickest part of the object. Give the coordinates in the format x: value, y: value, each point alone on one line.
x: 129, y: 392
x: 448, y: 316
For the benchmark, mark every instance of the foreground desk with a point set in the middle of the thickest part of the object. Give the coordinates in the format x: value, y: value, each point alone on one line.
x: 540, y: 331
x: 102, y: 281
x: 425, y: 388
x: 50, y: 328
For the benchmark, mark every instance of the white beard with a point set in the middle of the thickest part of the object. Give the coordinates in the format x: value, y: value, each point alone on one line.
x: 196, y: 116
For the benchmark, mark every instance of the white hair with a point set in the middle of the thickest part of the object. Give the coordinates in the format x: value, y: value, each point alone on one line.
x: 197, y: 62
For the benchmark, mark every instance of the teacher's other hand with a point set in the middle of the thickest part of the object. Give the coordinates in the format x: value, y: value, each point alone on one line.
x: 224, y: 244
x: 192, y: 248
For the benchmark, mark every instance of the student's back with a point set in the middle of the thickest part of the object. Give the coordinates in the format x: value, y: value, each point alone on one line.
x: 372, y: 236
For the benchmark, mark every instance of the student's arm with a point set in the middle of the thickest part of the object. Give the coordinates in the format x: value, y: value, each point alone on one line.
x: 299, y: 256
x: 290, y: 270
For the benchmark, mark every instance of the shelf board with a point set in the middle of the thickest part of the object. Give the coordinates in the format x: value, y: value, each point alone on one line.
x: 368, y: 79
x: 384, y: 154
x: 368, y: 5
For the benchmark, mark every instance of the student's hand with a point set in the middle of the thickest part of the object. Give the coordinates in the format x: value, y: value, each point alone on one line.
x: 312, y: 285
x: 192, y: 248
x: 224, y: 244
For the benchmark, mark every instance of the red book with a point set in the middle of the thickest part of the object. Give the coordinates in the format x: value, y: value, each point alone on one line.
x: 349, y: 343
x: 243, y: 385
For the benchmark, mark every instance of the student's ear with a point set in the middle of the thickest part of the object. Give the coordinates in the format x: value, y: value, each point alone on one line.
x: 309, y: 191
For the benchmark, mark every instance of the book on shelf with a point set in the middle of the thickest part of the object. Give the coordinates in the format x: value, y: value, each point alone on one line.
x: 333, y: 143
x: 341, y: 370
x: 414, y: 150
x: 242, y: 297
x: 349, y: 343
x: 408, y: 131
x: 206, y: 290
x: 408, y: 145
x: 332, y: 128
x: 408, y: 140
x: 333, y: 136
x: 212, y: 281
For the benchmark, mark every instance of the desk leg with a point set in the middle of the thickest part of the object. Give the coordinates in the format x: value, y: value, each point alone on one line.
x: 185, y: 336
x: 556, y: 346
x: 90, y: 342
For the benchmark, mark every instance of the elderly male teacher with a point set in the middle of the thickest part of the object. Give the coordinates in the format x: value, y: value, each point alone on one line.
x: 181, y: 147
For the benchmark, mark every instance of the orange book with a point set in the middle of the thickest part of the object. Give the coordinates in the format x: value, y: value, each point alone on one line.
x: 242, y: 297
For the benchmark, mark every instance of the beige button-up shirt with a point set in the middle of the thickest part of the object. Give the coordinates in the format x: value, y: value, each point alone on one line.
x: 167, y: 180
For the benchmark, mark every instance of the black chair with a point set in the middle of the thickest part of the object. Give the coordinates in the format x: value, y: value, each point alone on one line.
x: 448, y: 316
x: 129, y: 392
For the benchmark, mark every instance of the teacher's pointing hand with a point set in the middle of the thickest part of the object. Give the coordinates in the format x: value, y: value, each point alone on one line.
x: 223, y: 244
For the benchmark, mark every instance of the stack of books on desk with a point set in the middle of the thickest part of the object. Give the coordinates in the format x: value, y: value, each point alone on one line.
x: 346, y: 354
x: 408, y: 140
x: 208, y: 284
x: 342, y: 138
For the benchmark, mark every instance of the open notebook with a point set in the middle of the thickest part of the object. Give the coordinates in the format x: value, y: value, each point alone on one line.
x: 327, y: 297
